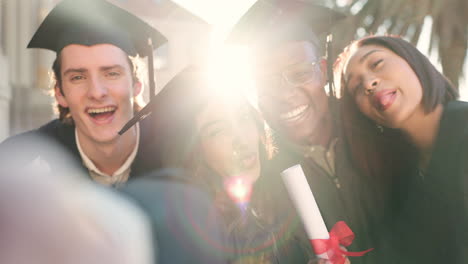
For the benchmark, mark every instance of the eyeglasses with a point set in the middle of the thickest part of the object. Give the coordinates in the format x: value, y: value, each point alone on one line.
x: 298, y: 74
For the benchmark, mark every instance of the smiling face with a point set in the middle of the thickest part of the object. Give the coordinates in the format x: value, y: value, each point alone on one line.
x: 383, y: 85
x: 290, y: 88
x: 229, y: 140
x: 98, y: 89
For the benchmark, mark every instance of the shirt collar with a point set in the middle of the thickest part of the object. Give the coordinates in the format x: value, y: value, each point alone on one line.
x: 120, y: 175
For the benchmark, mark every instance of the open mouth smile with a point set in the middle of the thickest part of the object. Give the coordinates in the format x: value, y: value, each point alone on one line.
x: 102, y: 113
x: 295, y: 114
x: 246, y: 161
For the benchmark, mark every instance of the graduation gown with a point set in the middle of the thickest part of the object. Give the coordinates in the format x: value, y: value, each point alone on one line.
x: 186, y: 226
x: 349, y: 202
x: 431, y: 225
x: 55, y: 142
x: 262, y: 229
x: 268, y: 230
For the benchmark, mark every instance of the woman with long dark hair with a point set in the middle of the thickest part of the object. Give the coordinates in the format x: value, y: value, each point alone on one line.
x: 408, y: 134
x: 220, y: 140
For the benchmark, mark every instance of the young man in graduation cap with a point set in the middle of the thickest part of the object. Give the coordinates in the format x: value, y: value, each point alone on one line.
x: 96, y: 87
x: 291, y: 77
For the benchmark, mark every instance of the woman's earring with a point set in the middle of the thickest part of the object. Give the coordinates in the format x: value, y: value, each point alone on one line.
x: 380, y: 128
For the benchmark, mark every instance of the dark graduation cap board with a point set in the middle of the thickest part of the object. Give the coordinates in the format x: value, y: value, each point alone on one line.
x: 91, y: 22
x: 275, y: 21
x: 182, y: 85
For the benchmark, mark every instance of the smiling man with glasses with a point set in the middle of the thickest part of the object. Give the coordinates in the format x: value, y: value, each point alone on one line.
x: 290, y: 76
x: 291, y: 94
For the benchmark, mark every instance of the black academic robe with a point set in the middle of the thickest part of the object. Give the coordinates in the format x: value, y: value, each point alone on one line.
x: 431, y: 223
x: 267, y: 229
x: 349, y: 202
x: 55, y: 142
x: 263, y: 229
x: 186, y: 226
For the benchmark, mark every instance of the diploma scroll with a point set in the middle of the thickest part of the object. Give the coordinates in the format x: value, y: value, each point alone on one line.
x: 304, y: 201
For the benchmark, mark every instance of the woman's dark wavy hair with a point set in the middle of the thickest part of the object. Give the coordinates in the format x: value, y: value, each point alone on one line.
x: 383, y: 156
x: 64, y: 112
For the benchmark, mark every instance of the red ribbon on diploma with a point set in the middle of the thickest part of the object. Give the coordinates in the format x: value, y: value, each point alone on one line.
x: 340, y: 235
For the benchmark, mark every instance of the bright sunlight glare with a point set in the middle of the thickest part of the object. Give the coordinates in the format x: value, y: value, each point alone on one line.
x: 228, y: 65
x: 229, y: 69
x: 239, y: 189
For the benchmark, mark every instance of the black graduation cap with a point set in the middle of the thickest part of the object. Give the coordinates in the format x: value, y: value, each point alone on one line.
x: 186, y: 89
x: 91, y: 22
x: 270, y: 22
x: 273, y: 22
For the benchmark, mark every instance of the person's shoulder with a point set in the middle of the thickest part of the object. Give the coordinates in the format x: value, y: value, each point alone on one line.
x: 452, y: 138
x: 28, y: 135
x: 18, y: 138
x: 459, y: 119
x: 457, y: 107
x: 53, y: 131
x: 53, y: 128
x: 57, y: 128
x: 458, y: 104
x: 454, y: 123
x: 28, y: 146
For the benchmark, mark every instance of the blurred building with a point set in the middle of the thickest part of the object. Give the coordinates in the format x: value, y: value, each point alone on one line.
x: 25, y: 73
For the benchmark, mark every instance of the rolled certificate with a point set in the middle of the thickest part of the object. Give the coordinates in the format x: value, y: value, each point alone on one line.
x: 304, y: 201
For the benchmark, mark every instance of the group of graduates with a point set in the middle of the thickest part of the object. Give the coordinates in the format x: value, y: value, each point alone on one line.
x: 386, y: 151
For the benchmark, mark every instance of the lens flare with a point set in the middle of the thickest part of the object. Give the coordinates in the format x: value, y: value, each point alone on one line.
x: 239, y: 189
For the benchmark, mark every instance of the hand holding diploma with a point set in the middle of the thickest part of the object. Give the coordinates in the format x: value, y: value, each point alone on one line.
x: 326, y: 245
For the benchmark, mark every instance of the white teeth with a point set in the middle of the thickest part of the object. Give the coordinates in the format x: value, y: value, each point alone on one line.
x: 294, y: 113
x: 101, y: 110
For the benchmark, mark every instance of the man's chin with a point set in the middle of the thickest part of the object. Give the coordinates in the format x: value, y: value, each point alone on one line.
x: 106, y: 139
x: 299, y: 135
x: 105, y: 136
